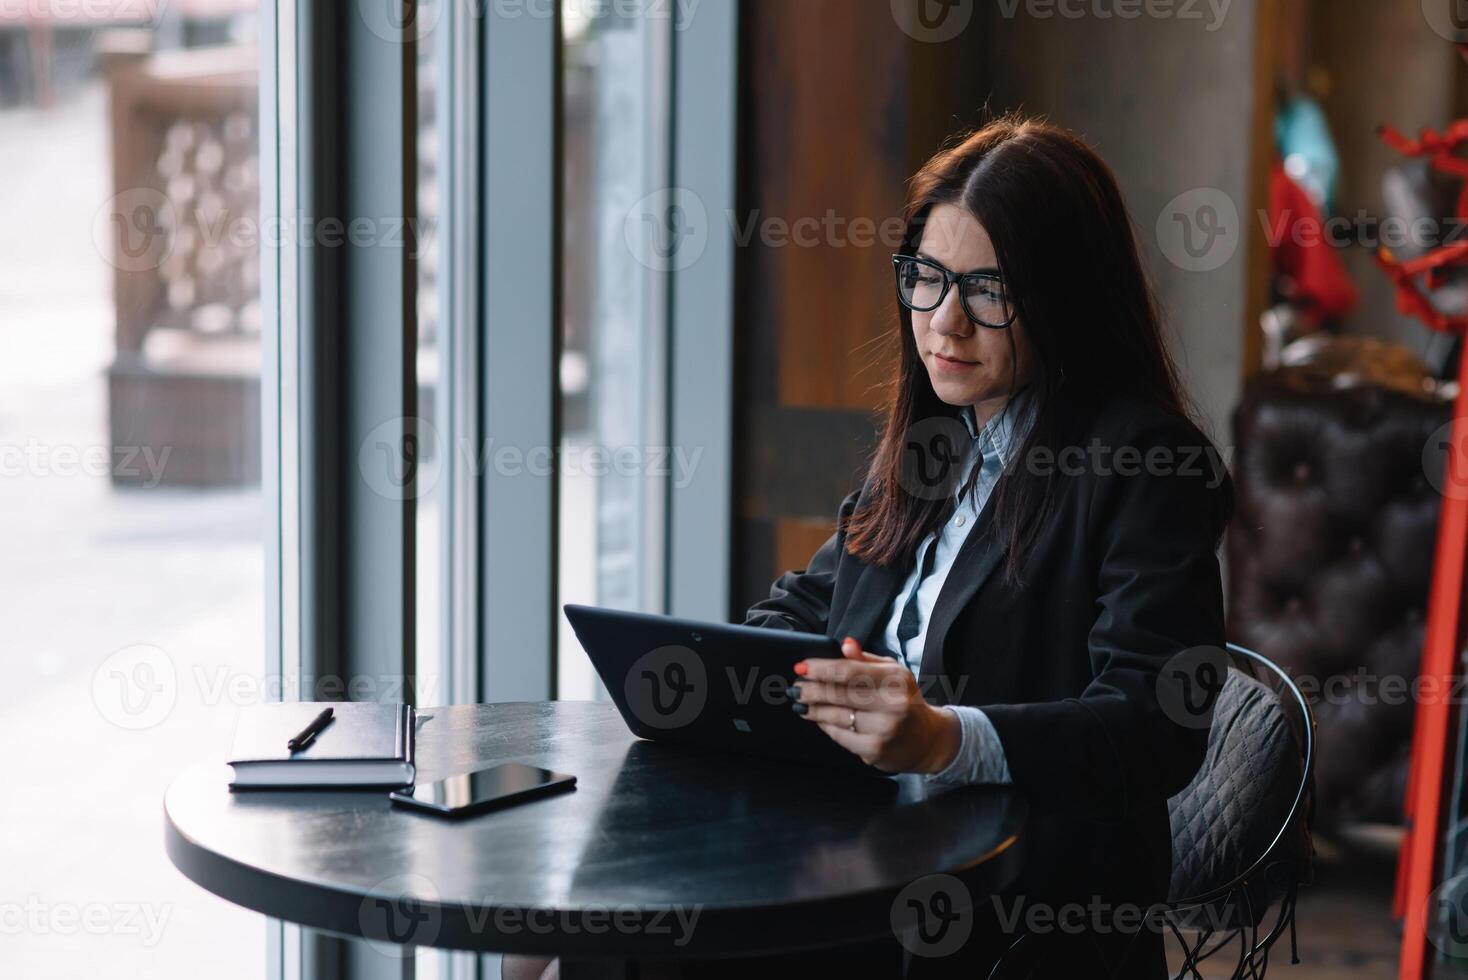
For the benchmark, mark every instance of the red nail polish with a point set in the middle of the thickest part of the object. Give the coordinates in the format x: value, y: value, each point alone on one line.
x: 802, y: 669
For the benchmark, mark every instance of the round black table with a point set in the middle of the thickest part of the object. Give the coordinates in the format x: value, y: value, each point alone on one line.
x: 660, y: 851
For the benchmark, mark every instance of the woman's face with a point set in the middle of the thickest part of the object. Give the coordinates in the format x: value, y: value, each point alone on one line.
x: 968, y: 364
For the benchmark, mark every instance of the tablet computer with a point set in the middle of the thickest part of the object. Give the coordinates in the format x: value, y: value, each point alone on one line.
x: 715, y: 685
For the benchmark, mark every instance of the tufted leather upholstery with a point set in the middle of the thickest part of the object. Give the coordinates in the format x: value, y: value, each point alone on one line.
x: 1330, y: 555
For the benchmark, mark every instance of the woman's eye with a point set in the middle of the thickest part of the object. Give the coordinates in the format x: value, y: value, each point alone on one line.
x: 986, y: 290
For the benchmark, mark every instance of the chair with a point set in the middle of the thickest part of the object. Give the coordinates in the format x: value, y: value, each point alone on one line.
x: 1241, y: 828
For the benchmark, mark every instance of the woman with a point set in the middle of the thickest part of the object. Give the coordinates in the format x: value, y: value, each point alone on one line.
x: 1034, y: 542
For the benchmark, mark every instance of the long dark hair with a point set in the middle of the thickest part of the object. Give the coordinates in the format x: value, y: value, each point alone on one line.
x: 1069, y: 259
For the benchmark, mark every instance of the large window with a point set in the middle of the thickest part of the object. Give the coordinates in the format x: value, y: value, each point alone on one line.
x: 130, y: 473
x: 614, y: 457
x: 203, y: 359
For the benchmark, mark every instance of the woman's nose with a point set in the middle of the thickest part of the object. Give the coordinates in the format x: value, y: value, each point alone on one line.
x: 949, y: 318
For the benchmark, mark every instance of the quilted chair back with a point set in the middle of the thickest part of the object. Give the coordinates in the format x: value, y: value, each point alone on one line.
x: 1241, y: 829
x: 1231, y: 812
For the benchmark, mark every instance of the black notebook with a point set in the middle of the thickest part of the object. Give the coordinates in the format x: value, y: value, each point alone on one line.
x: 365, y: 744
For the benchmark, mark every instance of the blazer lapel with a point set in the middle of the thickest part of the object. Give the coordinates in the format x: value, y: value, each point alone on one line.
x: 865, y: 616
x: 972, y: 567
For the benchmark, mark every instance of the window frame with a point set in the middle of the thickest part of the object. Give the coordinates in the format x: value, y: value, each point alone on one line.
x: 340, y: 557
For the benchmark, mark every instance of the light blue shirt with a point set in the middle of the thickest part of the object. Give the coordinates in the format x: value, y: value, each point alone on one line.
x: 980, y: 757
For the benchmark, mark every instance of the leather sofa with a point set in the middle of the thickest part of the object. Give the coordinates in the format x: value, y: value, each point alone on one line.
x: 1330, y: 556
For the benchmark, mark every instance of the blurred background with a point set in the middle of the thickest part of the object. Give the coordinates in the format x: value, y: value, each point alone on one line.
x: 140, y: 357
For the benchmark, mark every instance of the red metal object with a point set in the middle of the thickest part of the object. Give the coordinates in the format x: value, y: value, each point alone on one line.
x: 1415, y: 279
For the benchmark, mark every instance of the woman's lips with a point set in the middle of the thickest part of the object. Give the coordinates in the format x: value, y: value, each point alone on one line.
x: 952, y: 364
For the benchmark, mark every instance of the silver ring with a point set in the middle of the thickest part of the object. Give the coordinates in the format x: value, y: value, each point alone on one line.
x: 852, y: 726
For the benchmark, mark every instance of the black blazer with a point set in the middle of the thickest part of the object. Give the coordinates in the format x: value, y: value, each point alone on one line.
x: 1123, y: 577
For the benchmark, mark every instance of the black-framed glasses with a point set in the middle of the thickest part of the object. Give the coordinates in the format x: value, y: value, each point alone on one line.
x: 923, y: 284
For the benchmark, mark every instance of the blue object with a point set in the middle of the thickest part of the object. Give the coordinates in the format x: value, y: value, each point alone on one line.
x: 1307, y: 150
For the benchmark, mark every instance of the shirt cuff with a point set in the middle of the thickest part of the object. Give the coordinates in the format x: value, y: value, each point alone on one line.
x: 980, y: 757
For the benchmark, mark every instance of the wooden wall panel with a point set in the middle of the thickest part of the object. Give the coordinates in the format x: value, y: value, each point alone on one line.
x: 796, y: 540
x: 838, y: 108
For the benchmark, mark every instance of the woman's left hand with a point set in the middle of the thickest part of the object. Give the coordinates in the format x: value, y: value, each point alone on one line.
x: 872, y: 706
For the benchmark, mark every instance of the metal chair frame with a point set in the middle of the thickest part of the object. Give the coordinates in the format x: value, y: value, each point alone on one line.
x: 1253, y: 958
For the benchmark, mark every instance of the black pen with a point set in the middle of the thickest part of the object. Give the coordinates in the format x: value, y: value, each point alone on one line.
x: 310, y: 731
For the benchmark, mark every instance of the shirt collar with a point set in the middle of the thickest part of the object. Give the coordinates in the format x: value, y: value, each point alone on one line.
x: 999, y: 433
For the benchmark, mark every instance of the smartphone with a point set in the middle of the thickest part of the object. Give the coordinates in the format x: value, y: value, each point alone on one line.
x: 488, y: 789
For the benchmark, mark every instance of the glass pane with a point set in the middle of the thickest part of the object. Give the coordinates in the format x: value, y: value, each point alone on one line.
x: 130, y: 449
x: 614, y: 360
x: 432, y: 684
